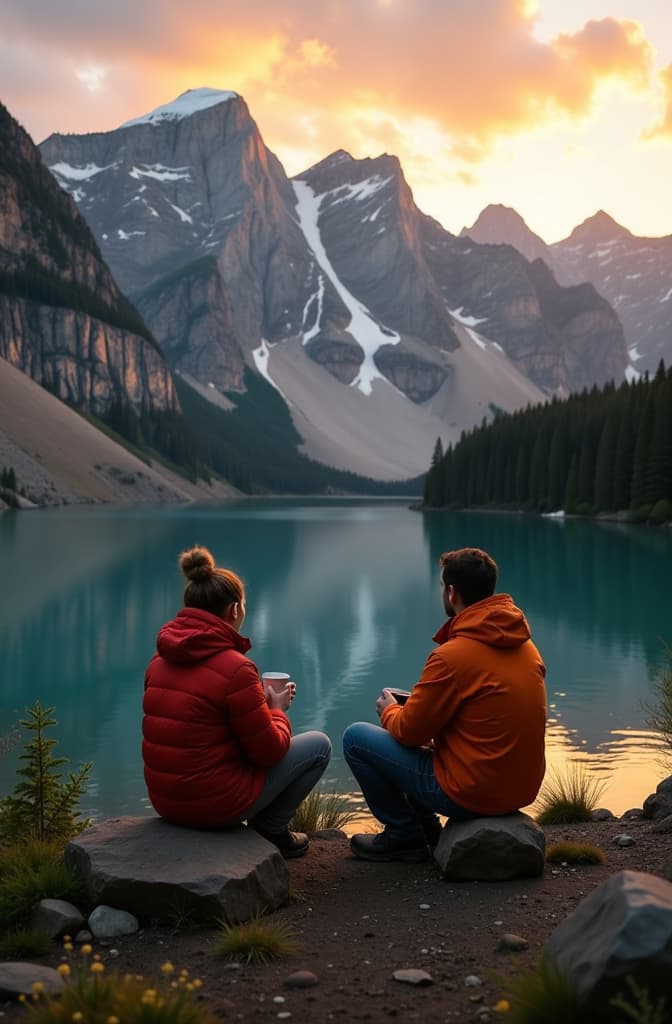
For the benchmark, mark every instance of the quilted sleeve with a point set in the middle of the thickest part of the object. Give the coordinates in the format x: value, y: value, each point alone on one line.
x: 264, y: 734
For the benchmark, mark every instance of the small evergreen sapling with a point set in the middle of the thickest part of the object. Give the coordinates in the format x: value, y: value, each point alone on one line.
x: 43, y: 806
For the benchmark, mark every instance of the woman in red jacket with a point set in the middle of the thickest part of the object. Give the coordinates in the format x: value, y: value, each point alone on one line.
x: 217, y: 746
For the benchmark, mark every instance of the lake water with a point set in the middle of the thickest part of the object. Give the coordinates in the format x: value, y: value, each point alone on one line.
x: 343, y: 595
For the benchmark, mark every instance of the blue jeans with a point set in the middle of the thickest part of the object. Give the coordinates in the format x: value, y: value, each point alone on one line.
x: 398, y: 782
x: 289, y: 781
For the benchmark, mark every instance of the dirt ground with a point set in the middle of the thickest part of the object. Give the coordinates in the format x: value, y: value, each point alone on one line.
x: 355, y: 923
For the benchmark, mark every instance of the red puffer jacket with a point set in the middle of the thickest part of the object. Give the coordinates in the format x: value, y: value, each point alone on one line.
x: 209, y: 736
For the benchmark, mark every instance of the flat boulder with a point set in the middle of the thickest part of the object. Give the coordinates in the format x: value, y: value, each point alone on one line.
x: 491, y: 849
x: 622, y: 930
x: 159, y: 871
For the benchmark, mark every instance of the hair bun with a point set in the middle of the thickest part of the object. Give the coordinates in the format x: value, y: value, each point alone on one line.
x: 197, y: 564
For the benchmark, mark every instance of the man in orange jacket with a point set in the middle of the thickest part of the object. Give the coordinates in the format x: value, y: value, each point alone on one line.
x: 469, y: 740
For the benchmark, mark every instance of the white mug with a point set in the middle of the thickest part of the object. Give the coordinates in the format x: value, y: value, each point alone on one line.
x: 276, y: 680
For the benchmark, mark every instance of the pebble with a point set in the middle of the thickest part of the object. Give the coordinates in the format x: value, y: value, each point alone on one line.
x: 413, y: 976
x: 472, y: 981
x: 279, y: 999
x: 624, y: 840
x: 424, y: 906
x: 301, y: 979
x: 510, y: 943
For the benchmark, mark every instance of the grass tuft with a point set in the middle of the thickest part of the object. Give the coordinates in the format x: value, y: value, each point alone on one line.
x: 23, y: 942
x: 320, y: 811
x: 255, y: 942
x: 541, y: 995
x: 570, y: 798
x: 642, y: 1010
x: 574, y: 853
x: 31, y: 872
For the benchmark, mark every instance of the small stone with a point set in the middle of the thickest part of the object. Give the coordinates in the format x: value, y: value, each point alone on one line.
x: 283, y: 1015
x: 83, y: 936
x: 17, y: 979
x: 472, y: 981
x: 633, y: 814
x: 301, y: 979
x: 108, y: 922
x: 279, y: 999
x: 603, y: 814
x: 413, y: 976
x: 510, y: 943
x: 624, y: 840
x: 114, y: 953
x: 424, y: 906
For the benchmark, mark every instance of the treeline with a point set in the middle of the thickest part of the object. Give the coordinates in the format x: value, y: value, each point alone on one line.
x: 34, y: 283
x: 607, y: 450
x: 255, y: 446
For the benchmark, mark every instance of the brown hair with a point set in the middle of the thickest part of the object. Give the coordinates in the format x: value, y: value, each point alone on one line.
x: 471, y: 571
x: 209, y: 588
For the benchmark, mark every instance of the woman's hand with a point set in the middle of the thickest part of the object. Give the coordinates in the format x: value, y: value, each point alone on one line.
x: 281, y: 699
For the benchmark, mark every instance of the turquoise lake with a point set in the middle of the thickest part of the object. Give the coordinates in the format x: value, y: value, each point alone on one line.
x: 344, y: 595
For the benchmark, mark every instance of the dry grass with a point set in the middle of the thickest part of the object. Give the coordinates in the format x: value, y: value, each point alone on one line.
x: 569, y: 798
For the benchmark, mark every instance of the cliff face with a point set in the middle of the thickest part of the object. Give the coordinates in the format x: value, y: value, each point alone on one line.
x: 63, y: 319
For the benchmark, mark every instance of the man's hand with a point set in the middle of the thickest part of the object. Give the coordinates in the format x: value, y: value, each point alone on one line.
x: 384, y: 701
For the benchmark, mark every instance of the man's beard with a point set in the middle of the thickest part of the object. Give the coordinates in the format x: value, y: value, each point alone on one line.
x: 448, y: 608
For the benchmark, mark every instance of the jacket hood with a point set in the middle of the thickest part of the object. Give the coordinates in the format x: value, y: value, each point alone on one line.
x: 194, y: 635
x: 495, y: 621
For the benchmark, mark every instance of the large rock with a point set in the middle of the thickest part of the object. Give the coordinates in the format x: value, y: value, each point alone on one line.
x: 157, y: 870
x: 491, y: 849
x: 17, y: 979
x: 56, y: 917
x: 622, y: 929
x: 659, y: 804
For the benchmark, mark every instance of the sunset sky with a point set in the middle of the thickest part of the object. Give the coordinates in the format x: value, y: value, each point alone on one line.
x: 556, y: 107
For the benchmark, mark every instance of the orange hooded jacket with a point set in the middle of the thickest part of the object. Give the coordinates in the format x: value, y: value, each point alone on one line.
x: 482, y: 700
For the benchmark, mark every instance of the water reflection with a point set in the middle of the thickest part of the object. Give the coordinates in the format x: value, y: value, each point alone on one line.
x: 342, y: 594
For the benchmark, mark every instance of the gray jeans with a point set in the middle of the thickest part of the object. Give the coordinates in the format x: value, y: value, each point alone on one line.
x: 289, y: 781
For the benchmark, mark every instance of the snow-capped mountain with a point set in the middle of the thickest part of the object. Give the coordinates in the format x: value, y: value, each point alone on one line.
x: 633, y: 273
x: 359, y: 309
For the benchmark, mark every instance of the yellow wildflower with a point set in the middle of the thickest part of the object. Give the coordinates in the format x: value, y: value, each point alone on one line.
x: 174, y: 984
x: 78, y: 1016
x: 68, y: 947
x: 37, y: 988
x: 148, y: 996
x: 167, y: 968
x: 112, y: 1020
x: 184, y: 973
x: 63, y: 970
x: 97, y: 967
x: 22, y: 998
x: 96, y: 956
x: 189, y: 986
x: 197, y: 983
x: 503, y: 1006
x: 86, y: 949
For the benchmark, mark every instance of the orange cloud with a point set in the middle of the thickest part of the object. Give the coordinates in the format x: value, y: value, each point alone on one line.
x: 664, y: 128
x: 358, y: 70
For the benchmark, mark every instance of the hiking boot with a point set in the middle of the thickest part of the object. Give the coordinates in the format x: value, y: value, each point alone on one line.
x: 432, y: 828
x: 290, y: 844
x: 411, y: 849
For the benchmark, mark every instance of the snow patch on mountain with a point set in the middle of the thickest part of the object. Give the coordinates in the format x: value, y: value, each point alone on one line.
x: 261, y: 356
x: 190, y: 102
x: 467, y: 321
x: 78, y: 173
x: 363, y: 326
x: 160, y: 173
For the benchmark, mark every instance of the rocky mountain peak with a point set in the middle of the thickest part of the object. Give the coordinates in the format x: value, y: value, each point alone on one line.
x: 193, y: 101
x: 498, y: 224
x: 601, y: 227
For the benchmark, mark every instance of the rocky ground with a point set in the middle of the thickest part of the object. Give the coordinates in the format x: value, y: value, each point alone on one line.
x: 356, y: 923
